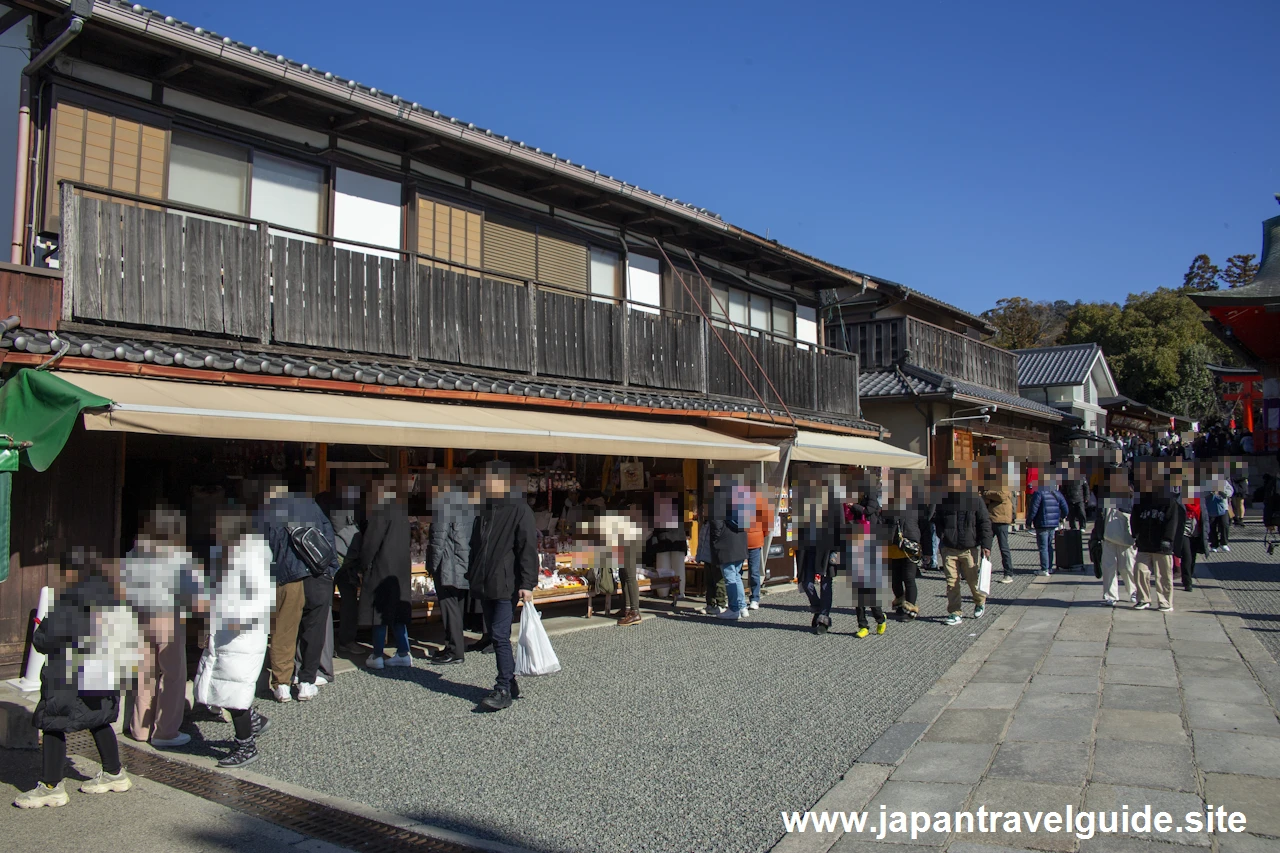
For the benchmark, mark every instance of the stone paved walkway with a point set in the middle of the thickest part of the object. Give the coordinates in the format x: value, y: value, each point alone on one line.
x: 1064, y: 701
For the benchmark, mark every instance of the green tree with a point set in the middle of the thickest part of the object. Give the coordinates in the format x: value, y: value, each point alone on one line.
x: 1022, y: 324
x: 1240, y: 270
x: 1201, y: 275
x: 1157, y: 348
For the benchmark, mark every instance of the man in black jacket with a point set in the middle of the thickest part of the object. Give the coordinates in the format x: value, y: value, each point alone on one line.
x: 1156, y: 523
x: 303, y: 601
x: 1074, y: 489
x: 964, y: 535
x: 503, y: 570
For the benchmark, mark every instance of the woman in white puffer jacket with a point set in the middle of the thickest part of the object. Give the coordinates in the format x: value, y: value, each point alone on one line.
x: 240, y: 618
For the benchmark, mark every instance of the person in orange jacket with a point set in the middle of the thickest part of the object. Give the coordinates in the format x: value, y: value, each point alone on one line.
x: 761, y: 524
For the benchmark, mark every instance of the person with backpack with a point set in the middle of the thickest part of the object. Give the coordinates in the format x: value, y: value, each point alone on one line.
x: 239, y: 616
x: 1216, y: 507
x: 964, y: 536
x: 1045, y: 512
x: 386, y: 571
x: 69, y: 701
x: 163, y: 584
x: 299, y: 534
x: 1111, y: 539
x: 727, y: 535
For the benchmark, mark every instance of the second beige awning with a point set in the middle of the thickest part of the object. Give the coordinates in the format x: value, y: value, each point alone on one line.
x: 221, y: 411
x: 831, y: 449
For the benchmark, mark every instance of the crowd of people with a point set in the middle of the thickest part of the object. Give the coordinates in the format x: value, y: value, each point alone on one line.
x: 1212, y: 443
x: 266, y: 586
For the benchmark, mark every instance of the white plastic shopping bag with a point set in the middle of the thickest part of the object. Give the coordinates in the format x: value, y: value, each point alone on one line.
x: 984, y: 576
x: 534, y: 655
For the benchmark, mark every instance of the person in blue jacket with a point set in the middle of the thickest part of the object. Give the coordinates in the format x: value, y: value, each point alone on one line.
x: 1045, y: 512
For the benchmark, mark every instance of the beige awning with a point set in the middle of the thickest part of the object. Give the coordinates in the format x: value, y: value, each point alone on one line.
x: 830, y: 449
x: 162, y: 407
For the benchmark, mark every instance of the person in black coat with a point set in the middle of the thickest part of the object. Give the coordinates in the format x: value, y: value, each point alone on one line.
x: 503, y: 569
x: 1157, y: 525
x: 964, y: 536
x: 385, y: 570
x: 904, y: 531
x: 1074, y: 490
x: 63, y: 706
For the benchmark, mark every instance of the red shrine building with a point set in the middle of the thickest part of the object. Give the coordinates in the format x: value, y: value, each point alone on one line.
x: 1247, y: 319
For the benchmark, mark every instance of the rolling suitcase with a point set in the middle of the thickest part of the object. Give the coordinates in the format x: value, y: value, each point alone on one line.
x: 1068, y: 550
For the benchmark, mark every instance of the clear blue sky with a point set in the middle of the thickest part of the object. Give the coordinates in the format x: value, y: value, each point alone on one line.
x: 970, y: 150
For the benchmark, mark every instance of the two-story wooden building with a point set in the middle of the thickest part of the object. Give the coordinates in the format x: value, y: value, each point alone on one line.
x: 263, y: 264
x: 930, y: 379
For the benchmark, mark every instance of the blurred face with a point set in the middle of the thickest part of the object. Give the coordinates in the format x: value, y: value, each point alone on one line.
x: 496, y: 484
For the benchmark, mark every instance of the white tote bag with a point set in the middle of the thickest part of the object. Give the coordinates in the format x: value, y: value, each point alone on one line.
x: 534, y: 655
x: 984, y: 576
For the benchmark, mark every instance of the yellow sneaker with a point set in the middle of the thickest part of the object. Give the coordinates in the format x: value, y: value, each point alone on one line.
x: 862, y: 632
x: 881, y: 627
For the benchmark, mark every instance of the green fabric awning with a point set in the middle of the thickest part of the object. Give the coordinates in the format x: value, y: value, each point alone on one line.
x: 39, y: 408
x: 42, y: 408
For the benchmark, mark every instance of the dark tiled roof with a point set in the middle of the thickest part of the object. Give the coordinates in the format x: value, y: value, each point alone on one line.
x: 139, y: 350
x: 1011, y: 401
x: 887, y: 383
x: 1066, y: 365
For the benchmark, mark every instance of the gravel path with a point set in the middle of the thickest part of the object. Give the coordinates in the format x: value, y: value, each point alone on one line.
x: 680, y: 734
x: 1252, y: 580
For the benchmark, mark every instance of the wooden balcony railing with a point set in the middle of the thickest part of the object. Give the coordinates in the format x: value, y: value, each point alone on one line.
x: 882, y: 343
x: 141, y: 263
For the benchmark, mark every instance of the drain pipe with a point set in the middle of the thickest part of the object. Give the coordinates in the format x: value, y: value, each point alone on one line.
x: 22, y: 172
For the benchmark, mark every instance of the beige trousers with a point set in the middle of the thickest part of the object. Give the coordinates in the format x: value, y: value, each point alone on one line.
x: 1149, y: 566
x: 290, y: 598
x: 957, y: 562
x: 160, y: 698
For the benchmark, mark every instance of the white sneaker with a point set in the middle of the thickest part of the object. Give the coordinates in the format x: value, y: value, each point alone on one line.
x: 400, y: 660
x: 730, y: 614
x: 307, y: 692
x: 1213, y: 550
x: 744, y: 613
x: 374, y: 661
x: 108, y: 783
x: 1143, y: 606
x: 1133, y: 598
x: 282, y: 693
x: 321, y: 681
x: 1006, y: 579
x: 713, y: 610
x: 1227, y: 548
x: 755, y: 605
x: 43, y: 795
x: 182, y: 739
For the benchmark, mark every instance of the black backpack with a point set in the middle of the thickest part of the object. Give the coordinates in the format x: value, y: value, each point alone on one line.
x: 315, y: 551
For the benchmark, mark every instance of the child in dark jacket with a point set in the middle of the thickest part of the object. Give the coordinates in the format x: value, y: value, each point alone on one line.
x: 64, y: 707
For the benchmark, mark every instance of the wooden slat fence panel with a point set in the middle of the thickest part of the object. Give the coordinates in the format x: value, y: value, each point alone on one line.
x: 665, y: 351
x: 579, y: 337
x: 837, y: 377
